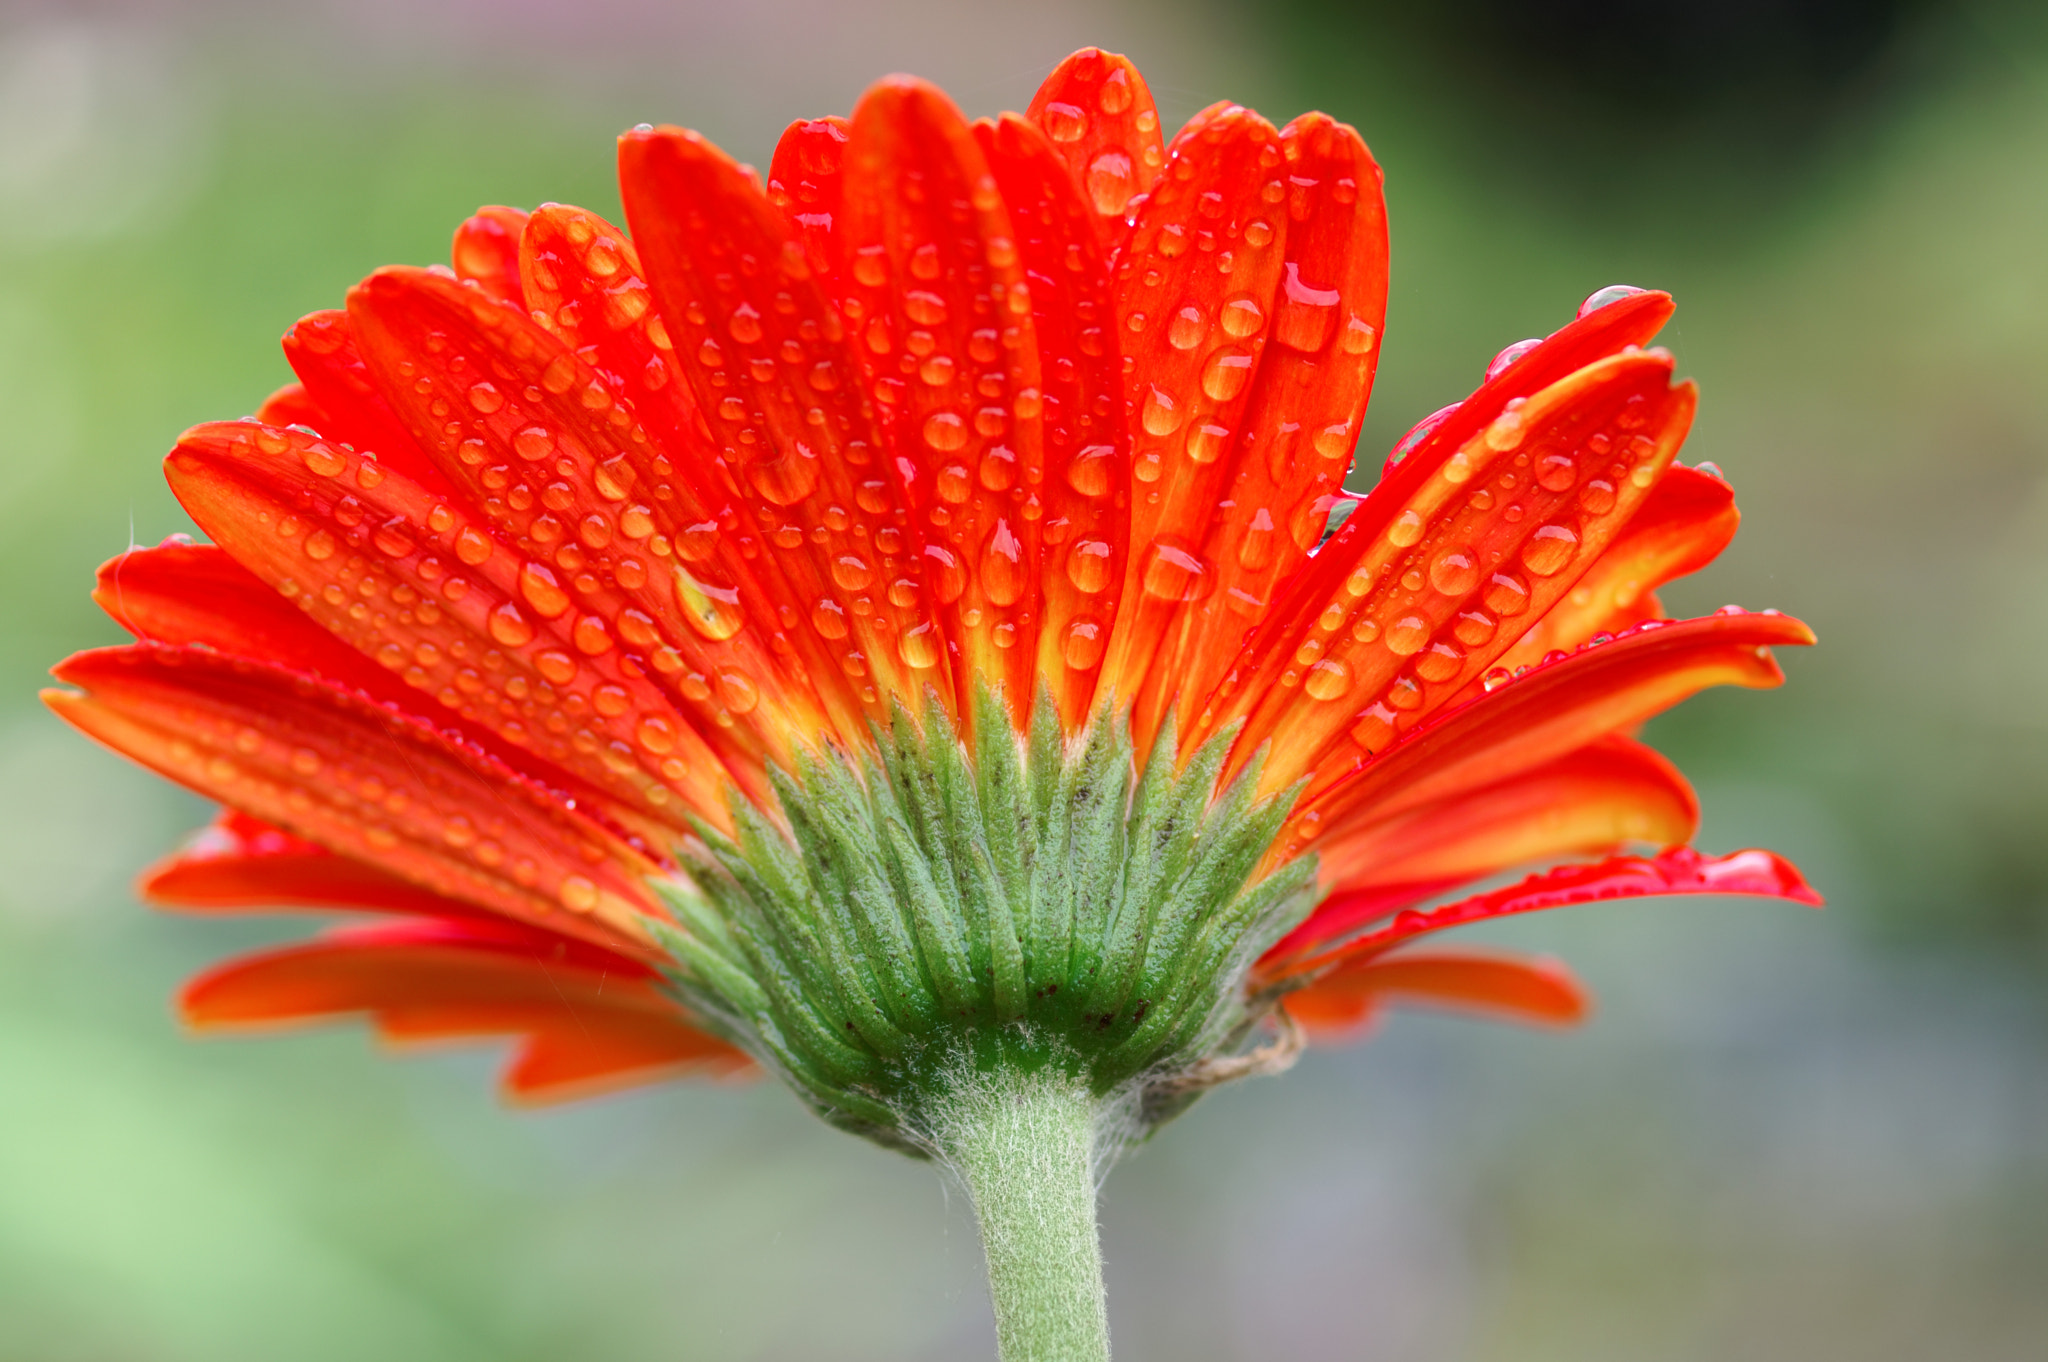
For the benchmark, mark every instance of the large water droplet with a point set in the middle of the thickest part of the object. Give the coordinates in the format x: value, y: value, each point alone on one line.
x: 1328, y: 679
x: 393, y: 538
x: 745, y: 324
x: 1110, y: 182
x: 1255, y: 549
x: 579, y: 895
x: 945, y: 431
x: 1406, y: 635
x: 1613, y: 293
x: 1089, y: 470
x: 1508, y: 357
x: 919, y: 646
x: 712, y: 611
x: 1556, y: 472
x: 538, y: 586
x: 1455, y: 571
x: 1003, y: 575
x: 509, y: 627
x: 1088, y: 565
x: 1241, y: 317
x: 320, y: 546
x: 486, y: 398
x: 324, y: 459
x: 1161, y: 415
x: 1226, y: 373
x: 851, y: 571
x: 1548, y: 550
x: 1306, y: 315
x: 1175, y: 572
x: 1064, y: 122
x: 1406, y: 529
x: 1187, y: 327
x: 1506, y: 594
x: 1082, y: 647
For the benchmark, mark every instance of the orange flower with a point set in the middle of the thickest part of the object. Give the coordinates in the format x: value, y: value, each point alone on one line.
x: 558, y: 569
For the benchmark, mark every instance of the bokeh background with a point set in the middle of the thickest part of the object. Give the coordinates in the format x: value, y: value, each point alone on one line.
x: 1785, y: 1135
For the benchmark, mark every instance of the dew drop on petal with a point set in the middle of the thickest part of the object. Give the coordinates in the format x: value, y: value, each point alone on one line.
x: 1175, y: 572
x: 1082, y: 647
x: 509, y: 627
x: 1613, y: 293
x: 1455, y: 571
x: 1549, y: 549
x: 1328, y: 679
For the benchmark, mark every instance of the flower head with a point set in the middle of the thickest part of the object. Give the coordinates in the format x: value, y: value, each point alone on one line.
x: 907, y: 614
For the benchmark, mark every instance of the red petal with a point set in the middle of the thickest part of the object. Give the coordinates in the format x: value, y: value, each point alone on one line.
x: 1284, y: 470
x: 806, y: 180
x: 584, y: 1022
x: 238, y: 864
x: 451, y: 607
x: 1505, y: 528
x: 1679, y: 871
x: 1086, y: 487
x: 1556, y: 708
x: 323, y: 352
x: 768, y: 362
x: 1189, y: 401
x: 362, y: 780
x: 486, y: 253
x: 1343, y: 1002
x: 1683, y: 525
x: 291, y: 405
x: 1098, y: 114
x: 936, y: 282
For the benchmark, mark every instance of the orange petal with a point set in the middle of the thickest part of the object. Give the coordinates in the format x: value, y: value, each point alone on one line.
x: 452, y: 607
x: 768, y: 362
x: 1683, y: 525
x: 486, y: 253
x: 240, y: 864
x: 1503, y: 530
x: 1681, y: 870
x: 362, y: 780
x: 1193, y: 333
x: 1610, y: 792
x: 934, y: 278
x: 1097, y: 112
x: 586, y: 1021
x: 1086, y: 485
x: 1285, y: 469
x: 1555, y: 708
x: 1343, y: 1002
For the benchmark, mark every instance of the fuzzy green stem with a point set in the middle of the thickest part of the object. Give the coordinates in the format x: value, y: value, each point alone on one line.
x: 1024, y: 1143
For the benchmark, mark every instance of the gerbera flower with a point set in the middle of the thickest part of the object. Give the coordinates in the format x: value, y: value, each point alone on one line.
x: 901, y: 626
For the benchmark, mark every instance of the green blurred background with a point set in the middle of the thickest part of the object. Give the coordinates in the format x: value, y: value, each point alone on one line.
x: 1785, y: 1134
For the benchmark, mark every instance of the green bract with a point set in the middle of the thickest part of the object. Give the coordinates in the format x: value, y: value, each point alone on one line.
x: 930, y: 909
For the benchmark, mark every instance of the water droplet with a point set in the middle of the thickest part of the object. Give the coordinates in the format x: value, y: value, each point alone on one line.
x: 1440, y: 662
x: 1506, y: 594
x: 1358, y: 337
x: 1110, y: 182
x: 1455, y: 571
x: 556, y: 666
x: 1083, y: 645
x: 1406, y: 529
x: 738, y: 691
x: 320, y: 546
x: 1549, y: 549
x: 1711, y: 469
x: 1226, y: 373
x: 952, y: 484
x: 948, y: 578
x: 1406, y: 635
x: 1335, y: 442
x: 828, y: 617
x: 656, y: 734
x: 1506, y: 430
x: 509, y: 627
x: 1003, y: 573
x: 1306, y: 315
x: 1187, y: 327
x: 1613, y: 293
x: 1328, y: 679
x: 712, y: 611
x: 1088, y: 565
x: 945, y: 431
x: 1161, y: 415
x: 578, y: 895
x: 998, y: 471
x: 590, y: 636
x: 1495, y: 678
x: 486, y: 398
x: 1255, y: 549
x: 324, y: 460
x: 744, y: 325
x: 1064, y: 122
x: 1597, y: 496
x: 538, y: 586
x: 1175, y: 572
x: 1115, y: 95
x: 787, y: 478
x: 1556, y: 472
x: 851, y: 571
x: 393, y: 538
x: 1507, y: 358
x: 919, y: 647
x: 1366, y: 630
x: 1089, y: 471
x: 1241, y: 317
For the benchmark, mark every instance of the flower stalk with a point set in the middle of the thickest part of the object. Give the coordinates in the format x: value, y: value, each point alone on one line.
x: 1025, y: 1142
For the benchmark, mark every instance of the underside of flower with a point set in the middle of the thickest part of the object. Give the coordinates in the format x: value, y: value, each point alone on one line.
x: 923, y: 908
